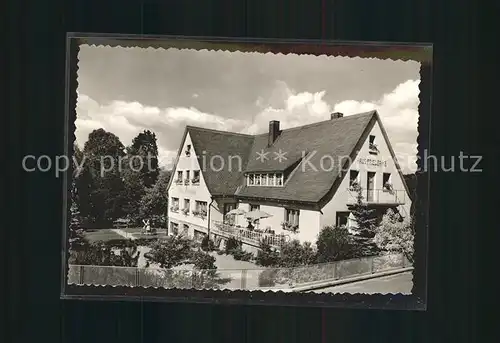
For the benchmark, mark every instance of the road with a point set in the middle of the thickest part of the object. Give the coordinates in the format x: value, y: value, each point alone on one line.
x: 399, y: 283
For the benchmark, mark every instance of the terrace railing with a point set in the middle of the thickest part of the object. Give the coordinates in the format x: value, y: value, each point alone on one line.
x: 378, y: 196
x: 248, y: 279
x: 254, y: 237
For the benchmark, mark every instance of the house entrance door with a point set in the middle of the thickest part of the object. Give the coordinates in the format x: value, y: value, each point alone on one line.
x: 370, y: 187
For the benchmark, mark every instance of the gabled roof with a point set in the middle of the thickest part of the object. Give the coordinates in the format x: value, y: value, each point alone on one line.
x: 336, y: 139
x: 231, y: 147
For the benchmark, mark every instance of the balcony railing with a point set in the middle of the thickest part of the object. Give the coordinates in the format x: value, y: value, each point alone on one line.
x: 378, y: 196
x: 253, y: 237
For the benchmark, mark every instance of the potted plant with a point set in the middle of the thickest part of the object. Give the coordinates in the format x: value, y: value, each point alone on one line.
x: 286, y: 225
x: 174, y: 208
x: 185, y: 211
x: 373, y: 147
x: 195, y: 180
x: 354, y: 185
x: 178, y: 181
x: 295, y: 228
x: 186, y: 182
x: 388, y: 187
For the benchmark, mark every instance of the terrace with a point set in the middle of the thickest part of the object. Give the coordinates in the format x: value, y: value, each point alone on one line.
x: 252, y: 237
x: 387, y: 196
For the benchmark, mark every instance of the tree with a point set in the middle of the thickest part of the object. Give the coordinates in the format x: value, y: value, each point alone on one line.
x: 100, y: 187
x: 133, y: 192
x: 396, y: 234
x: 364, y: 216
x: 266, y: 255
x: 335, y: 244
x: 154, y: 203
x: 144, y: 146
x: 170, y: 252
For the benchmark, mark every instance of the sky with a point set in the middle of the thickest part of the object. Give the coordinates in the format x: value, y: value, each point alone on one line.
x: 129, y: 90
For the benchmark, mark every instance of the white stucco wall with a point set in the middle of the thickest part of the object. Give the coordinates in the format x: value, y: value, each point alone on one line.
x: 343, y: 196
x: 192, y: 192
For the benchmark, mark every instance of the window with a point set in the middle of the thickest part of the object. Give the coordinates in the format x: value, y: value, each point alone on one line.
x: 174, y: 228
x: 270, y: 180
x: 265, y: 180
x: 254, y: 207
x: 187, y: 206
x: 186, y: 180
x: 353, y: 179
x: 386, y: 181
x: 196, y: 177
x: 200, y: 209
x: 257, y: 179
x: 341, y: 219
x: 175, y: 205
x: 188, y: 150
x: 279, y: 179
x: 291, y: 219
x: 372, y: 147
x: 179, y: 177
x: 185, y: 230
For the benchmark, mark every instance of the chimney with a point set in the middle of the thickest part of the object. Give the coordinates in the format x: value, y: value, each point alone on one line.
x: 274, y: 131
x: 336, y: 115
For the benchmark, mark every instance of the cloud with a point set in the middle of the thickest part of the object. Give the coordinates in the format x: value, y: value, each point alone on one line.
x: 128, y: 119
x: 399, y: 113
x: 398, y: 110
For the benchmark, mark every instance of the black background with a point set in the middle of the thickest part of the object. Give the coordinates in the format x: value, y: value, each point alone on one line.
x: 35, y: 123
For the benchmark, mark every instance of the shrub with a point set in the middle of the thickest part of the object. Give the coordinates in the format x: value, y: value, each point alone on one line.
x: 266, y: 255
x: 207, y: 244
x: 240, y: 255
x: 334, y: 244
x: 171, y: 251
x: 294, y: 254
x: 231, y: 244
x: 267, y: 278
x: 396, y: 234
x: 202, y: 260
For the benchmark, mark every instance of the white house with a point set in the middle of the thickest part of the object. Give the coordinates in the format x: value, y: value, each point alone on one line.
x: 303, y: 177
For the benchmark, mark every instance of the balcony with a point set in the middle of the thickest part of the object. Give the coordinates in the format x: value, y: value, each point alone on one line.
x: 248, y: 236
x: 378, y: 196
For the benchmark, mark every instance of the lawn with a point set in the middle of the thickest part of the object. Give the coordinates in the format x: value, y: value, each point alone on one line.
x: 102, y: 235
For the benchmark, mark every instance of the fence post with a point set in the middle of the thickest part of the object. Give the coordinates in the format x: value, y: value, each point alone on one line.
x: 371, y: 264
x: 80, y: 281
x: 336, y: 270
x: 137, y: 277
x: 243, y: 279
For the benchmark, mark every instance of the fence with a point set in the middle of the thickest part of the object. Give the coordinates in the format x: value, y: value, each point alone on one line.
x: 249, y: 279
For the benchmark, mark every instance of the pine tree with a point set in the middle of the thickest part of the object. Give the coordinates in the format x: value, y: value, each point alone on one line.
x: 364, y: 216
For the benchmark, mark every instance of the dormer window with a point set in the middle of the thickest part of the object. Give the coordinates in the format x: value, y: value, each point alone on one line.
x: 188, y: 150
x: 265, y: 179
x: 372, y: 146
